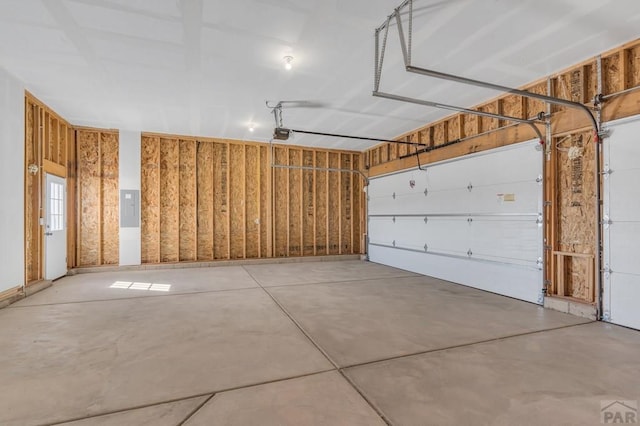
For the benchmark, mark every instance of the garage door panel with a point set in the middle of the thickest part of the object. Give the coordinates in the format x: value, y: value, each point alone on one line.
x: 624, y: 297
x: 624, y: 199
x: 472, y: 235
x: 512, y: 281
x: 624, y: 143
x: 505, y: 198
x: 513, y: 239
x: 623, y: 251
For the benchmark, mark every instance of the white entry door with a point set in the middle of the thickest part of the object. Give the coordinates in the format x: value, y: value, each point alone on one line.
x: 55, y: 228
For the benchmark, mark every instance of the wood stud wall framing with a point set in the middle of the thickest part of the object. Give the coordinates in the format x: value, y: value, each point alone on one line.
x: 210, y: 199
x: 620, y: 69
x: 50, y: 145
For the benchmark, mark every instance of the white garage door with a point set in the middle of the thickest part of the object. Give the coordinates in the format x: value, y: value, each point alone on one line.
x: 621, y: 296
x: 474, y: 221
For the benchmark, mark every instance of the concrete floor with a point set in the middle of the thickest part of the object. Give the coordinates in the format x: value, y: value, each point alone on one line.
x: 328, y: 343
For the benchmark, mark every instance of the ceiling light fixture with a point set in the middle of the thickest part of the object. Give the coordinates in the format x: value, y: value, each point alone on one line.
x: 252, y: 127
x: 287, y: 62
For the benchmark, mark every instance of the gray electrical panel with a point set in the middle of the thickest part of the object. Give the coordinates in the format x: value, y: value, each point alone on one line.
x: 129, y: 208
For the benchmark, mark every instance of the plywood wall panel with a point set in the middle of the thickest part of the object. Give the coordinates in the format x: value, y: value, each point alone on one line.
x: 89, y: 195
x: 237, y: 203
x: 110, y: 225
x: 252, y: 199
x: 334, y: 204
x: 295, y: 203
x: 205, y: 200
x: 169, y: 200
x: 188, y: 233
x: 150, y: 199
x: 221, y: 200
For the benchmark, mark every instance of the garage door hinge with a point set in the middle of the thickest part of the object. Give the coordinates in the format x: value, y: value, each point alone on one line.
x: 606, y: 221
x: 604, y: 133
x: 607, y: 171
x: 469, y: 187
x: 469, y: 253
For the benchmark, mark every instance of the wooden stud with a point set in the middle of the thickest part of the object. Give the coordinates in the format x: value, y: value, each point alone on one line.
x: 315, y: 205
x: 327, y: 197
x: 244, y: 201
x: 228, y: 186
x: 288, y: 205
x: 351, y: 215
x: 302, y: 215
x: 624, y: 68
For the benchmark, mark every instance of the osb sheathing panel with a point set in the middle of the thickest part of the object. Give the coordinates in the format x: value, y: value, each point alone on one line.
x: 110, y: 241
x: 90, y: 190
x: 440, y: 133
x: 265, y: 201
x: 280, y: 203
x: 591, y: 81
x: 489, y: 123
x: 252, y: 185
x: 334, y: 204
x: 512, y: 106
x: 576, y: 204
x: 570, y: 86
x: 613, y: 80
x: 471, y: 124
x: 453, y: 128
x: 188, y: 203
x: 295, y: 203
x: 322, y: 206
x: 535, y: 106
x: 633, y: 66
x: 346, y: 197
x: 150, y: 199
x: 237, y: 200
x: 308, y: 204
x: 221, y: 200
x: 169, y: 198
x: 205, y: 200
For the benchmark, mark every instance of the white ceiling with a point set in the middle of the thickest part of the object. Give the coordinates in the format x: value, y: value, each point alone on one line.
x: 206, y: 67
